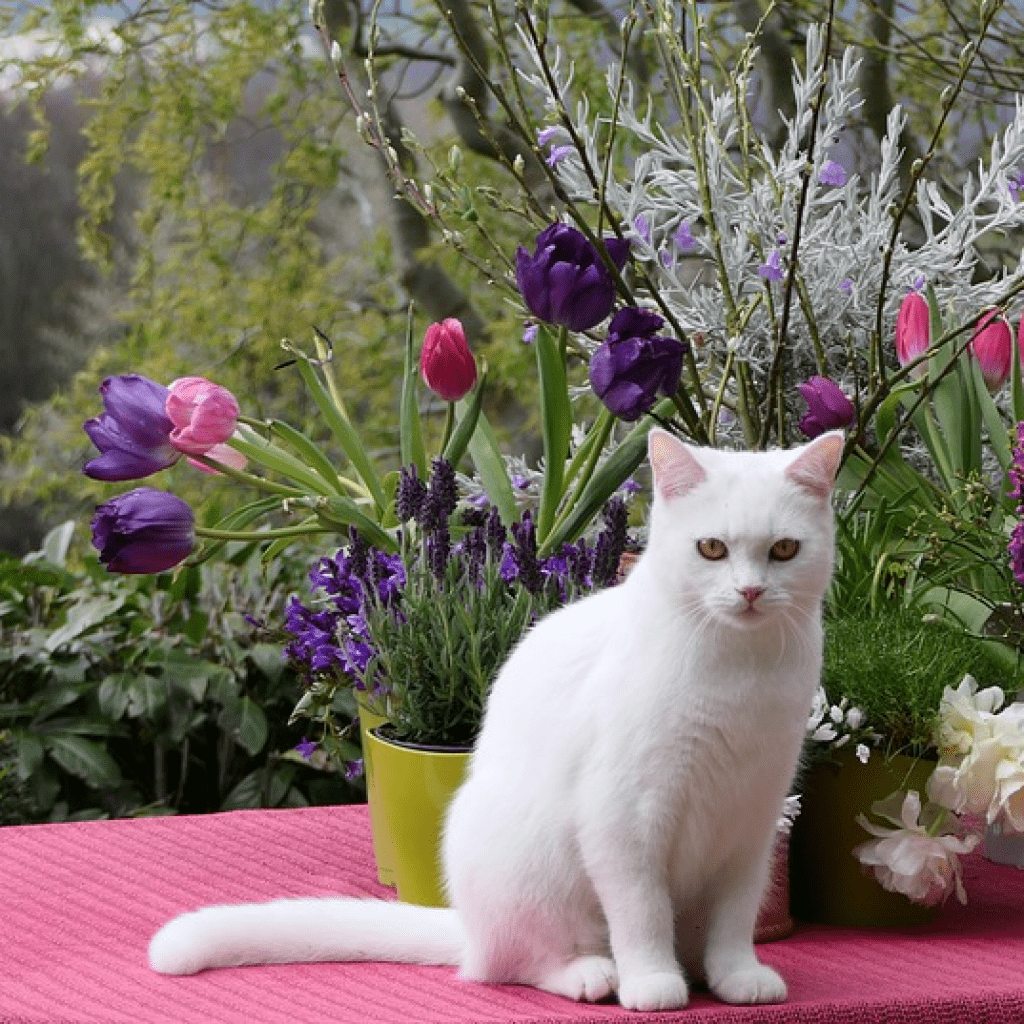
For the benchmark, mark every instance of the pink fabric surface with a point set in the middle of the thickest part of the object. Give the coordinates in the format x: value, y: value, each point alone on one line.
x: 78, y: 903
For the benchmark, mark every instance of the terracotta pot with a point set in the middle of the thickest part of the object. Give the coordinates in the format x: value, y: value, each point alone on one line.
x: 828, y: 885
x: 414, y: 786
x: 774, y: 920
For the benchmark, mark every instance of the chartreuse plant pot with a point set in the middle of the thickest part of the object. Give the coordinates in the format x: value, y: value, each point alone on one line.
x: 383, y: 853
x: 414, y: 787
x: 828, y: 885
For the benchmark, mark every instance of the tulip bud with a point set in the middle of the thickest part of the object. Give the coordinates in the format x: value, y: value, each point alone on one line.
x: 204, y: 414
x: 448, y: 366
x: 828, y: 408
x: 992, y: 345
x: 143, y: 531
x: 913, y: 330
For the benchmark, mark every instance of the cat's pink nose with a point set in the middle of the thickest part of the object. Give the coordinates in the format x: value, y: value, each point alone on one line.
x: 751, y: 594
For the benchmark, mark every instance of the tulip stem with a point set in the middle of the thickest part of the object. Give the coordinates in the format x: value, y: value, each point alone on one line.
x: 249, y: 478
x: 449, y: 426
x: 259, y: 535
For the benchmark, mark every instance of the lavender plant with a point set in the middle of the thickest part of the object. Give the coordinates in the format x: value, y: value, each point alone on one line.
x: 420, y: 634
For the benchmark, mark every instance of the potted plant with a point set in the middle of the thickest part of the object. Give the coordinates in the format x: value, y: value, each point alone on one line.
x: 907, y: 756
x: 419, y: 636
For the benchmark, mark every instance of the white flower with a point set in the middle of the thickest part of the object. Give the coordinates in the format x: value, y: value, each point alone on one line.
x: 863, y: 753
x: 790, y: 812
x: 854, y: 718
x: 965, y: 715
x: 908, y: 859
x: 988, y: 779
x: 981, y: 770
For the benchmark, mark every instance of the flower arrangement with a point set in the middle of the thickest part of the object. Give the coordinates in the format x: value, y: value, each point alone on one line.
x: 420, y: 634
x: 978, y: 780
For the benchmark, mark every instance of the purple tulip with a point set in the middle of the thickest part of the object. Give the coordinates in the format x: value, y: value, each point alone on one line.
x: 634, y: 363
x: 828, y: 408
x: 133, y: 433
x: 143, y: 531
x: 565, y: 281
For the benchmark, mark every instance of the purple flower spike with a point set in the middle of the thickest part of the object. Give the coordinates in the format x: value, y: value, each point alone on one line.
x: 832, y: 173
x: 565, y: 281
x: 143, y: 531
x: 828, y: 408
x: 558, y: 154
x: 634, y: 364
x: 133, y: 433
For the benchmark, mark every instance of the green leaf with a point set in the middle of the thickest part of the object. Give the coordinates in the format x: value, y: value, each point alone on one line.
x: 490, y: 466
x: 257, y: 449
x: 30, y: 755
x: 556, y: 426
x: 338, y: 511
x: 339, y: 425
x: 252, y: 729
x: 82, y: 617
x: 459, y: 441
x: 85, y: 759
x: 309, y: 453
x: 410, y: 431
x: 998, y: 432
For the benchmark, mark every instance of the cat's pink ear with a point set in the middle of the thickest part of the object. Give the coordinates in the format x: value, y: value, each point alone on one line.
x: 675, y: 469
x: 816, y: 466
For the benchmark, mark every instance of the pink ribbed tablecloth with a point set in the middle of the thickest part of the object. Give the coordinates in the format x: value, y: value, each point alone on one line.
x: 78, y: 903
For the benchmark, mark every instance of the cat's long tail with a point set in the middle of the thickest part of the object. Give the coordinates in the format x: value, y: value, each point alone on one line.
x: 307, y: 931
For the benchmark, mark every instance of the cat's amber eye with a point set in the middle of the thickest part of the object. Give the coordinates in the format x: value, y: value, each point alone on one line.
x: 712, y: 549
x: 783, y: 550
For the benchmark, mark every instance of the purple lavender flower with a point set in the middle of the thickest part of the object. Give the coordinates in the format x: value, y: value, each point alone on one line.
x: 565, y: 282
x: 1016, y: 474
x: 524, y: 554
x: 828, y: 408
x: 441, y: 498
x: 846, y: 286
x: 1015, y: 183
x: 545, y: 136
x: 635, y: 363
x: 530, y: 334
x: 610, y: 543
x: 354, y: 769
x: 832, y: 173
x: 410, y: 494
x: 143, y: 531
x: 642, y: 225
x: 133, y: 433
x: 772, y: 269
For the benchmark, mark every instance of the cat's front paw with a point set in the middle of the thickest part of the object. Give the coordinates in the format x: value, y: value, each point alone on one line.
x: 665, y: 990
x: 756, y: 984
x: 586, y: 979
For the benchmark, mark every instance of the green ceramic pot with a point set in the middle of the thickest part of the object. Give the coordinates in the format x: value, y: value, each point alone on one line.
x: 414, y: 786
x: 828, y: 885
x: 383, y: 853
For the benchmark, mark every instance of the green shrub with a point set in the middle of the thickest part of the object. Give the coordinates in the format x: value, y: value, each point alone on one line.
x: 895, y: 666
x: 147, y: 695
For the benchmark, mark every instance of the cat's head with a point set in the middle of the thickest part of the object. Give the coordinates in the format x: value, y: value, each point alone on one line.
x: 743, y: 539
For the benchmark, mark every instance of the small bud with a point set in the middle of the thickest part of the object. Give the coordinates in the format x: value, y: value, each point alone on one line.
x: 336, y: 55
x: 519, y: 164
x: 454, y: 159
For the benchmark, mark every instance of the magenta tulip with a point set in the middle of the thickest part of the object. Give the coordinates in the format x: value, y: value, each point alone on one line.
x: 913, y: 330
x: 448, y: 366
x: 992, y: 345
x: 204, y: 414
x: 828, y: 408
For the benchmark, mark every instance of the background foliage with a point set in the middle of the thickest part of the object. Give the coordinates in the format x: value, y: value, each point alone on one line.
x: 146, y: 695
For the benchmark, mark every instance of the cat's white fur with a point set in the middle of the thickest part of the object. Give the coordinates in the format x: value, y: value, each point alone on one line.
x: 616, y: 826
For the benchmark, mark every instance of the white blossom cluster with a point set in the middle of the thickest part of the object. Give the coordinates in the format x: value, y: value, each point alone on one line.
x: 839, y: 725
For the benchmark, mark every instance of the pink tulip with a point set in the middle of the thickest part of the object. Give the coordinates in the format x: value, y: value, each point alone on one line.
x: 204, y: 414
x: 448, y: 366
x: 913, y: 333
x: 992, y: 346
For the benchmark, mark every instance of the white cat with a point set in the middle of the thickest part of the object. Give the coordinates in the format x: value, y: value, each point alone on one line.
x: 617, y: 822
